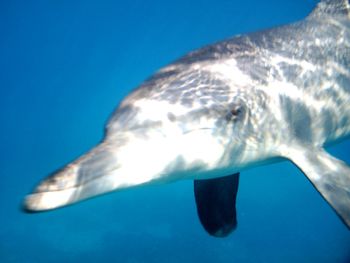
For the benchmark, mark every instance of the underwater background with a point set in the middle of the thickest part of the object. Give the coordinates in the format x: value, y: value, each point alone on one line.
x: 64, y: 67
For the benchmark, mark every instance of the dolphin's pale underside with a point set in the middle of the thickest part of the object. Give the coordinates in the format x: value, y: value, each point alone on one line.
x: 263, y: 97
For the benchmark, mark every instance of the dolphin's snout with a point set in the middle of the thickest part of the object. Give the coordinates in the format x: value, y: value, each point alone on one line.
x: 79, y: 180
x: 55, y: 191
x: 37, y: 202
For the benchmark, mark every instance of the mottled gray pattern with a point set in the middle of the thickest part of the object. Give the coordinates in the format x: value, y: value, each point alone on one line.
x: 179, y: 84
x: 299, y: 119
x: 329, y: 122
x: 187, y: 86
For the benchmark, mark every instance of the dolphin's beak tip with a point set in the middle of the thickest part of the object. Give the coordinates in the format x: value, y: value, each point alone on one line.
x: 26, y: 209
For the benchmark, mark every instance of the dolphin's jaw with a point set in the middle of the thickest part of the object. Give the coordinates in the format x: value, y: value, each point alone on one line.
x: 48, y: 200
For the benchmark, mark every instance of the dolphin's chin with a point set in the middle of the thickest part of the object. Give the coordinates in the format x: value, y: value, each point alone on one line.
x: 43, y: 201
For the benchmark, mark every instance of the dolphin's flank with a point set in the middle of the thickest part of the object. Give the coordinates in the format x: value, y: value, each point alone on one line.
x: 282, y: 93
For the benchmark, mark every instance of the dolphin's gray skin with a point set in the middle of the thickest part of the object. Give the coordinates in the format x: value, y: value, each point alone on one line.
x: 278, y: 94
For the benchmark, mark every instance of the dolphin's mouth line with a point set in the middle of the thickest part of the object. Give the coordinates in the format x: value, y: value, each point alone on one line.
x: 76, y: 186
x: 34, y: 200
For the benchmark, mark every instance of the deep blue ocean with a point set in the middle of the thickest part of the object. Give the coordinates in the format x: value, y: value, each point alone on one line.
x: 64, y: 67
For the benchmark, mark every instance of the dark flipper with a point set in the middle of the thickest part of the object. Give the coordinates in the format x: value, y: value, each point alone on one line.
x: 216, y: 204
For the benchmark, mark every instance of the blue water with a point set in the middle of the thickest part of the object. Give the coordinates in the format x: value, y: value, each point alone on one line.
x: 64, y: 66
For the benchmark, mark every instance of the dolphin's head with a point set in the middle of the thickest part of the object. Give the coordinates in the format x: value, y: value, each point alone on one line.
x: 187, y: 121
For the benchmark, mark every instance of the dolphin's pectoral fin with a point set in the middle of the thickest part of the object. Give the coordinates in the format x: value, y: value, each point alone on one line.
x: 330, y: 176
x: 216, y: 204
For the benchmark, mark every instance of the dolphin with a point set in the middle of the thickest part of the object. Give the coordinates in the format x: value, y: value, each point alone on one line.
x: 264, y: 97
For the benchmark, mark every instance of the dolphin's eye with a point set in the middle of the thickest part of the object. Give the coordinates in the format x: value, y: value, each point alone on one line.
x: 235, y: 113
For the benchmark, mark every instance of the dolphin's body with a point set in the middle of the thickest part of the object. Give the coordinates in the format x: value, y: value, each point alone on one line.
x: 278, y: 94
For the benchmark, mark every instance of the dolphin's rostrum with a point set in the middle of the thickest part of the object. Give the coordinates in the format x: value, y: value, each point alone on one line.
x: 282, y: 93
